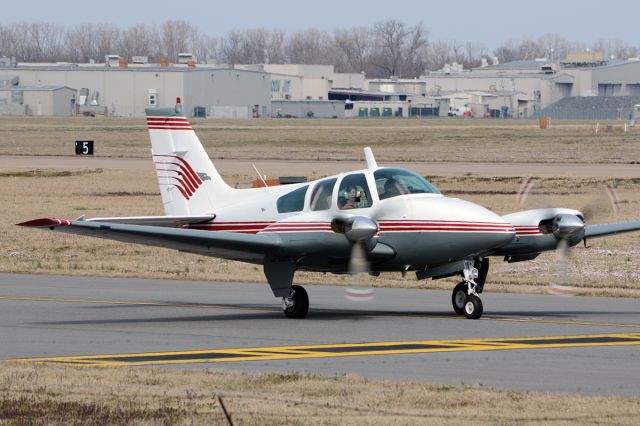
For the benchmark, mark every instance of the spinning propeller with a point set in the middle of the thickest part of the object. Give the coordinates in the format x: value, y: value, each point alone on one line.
x: 362, y: 233
x: 567, y: 228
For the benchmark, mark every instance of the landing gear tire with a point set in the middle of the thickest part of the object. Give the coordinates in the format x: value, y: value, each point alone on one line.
x: 472, y: 307
x: 296, y: 304
x: 458, y: 296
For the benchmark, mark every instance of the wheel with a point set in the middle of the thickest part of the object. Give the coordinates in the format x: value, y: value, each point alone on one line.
x: 296, y: 305
x: 458, y: 296
x: 472, y: 307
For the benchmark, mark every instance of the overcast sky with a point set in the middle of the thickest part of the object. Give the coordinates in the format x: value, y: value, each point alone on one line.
x: 485, y: 21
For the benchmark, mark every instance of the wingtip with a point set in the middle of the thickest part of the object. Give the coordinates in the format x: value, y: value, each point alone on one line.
x: 45, y: 223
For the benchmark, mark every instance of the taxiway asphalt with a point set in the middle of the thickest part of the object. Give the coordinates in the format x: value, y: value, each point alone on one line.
x: 524, y: 342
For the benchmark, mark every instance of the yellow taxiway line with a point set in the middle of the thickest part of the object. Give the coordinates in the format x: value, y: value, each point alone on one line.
x: 342, y: 350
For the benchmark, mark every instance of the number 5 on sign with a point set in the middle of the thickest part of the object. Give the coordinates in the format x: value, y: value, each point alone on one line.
x: 84, y: 147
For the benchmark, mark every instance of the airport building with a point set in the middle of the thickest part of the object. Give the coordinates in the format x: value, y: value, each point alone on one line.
x: 582, y: 86
x: 528, y: 88
x: 125, y: 91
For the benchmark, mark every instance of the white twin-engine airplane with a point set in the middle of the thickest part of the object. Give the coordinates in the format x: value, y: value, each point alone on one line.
x: 399, y: 220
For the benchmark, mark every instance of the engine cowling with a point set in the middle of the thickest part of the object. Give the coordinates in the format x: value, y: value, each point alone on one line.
x: 568, y: 227
x: 357, y: 229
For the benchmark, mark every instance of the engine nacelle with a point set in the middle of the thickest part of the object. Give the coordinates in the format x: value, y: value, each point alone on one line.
x: 568, y: 227
x: 357, y: 229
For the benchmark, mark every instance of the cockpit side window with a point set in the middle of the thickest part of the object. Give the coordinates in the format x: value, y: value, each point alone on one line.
x: 354, y: 192
x: 293, y: 201
x: 393, y: 182
x: 321, y: 196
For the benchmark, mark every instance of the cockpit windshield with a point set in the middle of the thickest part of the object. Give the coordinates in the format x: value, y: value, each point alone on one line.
x: 394, y: 182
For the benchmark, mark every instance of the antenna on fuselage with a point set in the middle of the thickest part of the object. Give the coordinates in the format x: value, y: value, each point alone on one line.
x: 371, y: 160
x: 262, y: 178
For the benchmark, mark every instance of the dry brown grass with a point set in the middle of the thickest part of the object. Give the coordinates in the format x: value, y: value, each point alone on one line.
x: 401, y: 139
x: 50, y: 394
x: 608, y: 270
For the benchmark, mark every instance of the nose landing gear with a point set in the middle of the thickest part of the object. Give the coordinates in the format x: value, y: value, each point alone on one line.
x: 465, y: 299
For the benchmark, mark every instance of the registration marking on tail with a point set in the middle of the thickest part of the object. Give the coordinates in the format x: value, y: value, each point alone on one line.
x: 341, y: 350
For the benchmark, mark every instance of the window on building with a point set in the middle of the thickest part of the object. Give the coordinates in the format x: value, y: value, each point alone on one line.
x: 286, y: 86
x: 275, y: 85
x: 293, y: 201
x: 321, y: 197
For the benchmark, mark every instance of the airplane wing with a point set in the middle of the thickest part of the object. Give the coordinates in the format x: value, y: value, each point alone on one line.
x: 602, y: 230
x: 227, y: 245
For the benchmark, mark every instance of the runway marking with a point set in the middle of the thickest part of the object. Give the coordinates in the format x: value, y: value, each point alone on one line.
x: 331, y: 311
x: 347, y: 349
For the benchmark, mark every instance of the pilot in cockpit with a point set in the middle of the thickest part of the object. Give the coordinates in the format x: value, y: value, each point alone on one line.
x: 393, y: 188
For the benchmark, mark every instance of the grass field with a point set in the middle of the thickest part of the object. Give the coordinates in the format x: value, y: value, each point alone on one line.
x: 402, y: 140
x: 49, y: 394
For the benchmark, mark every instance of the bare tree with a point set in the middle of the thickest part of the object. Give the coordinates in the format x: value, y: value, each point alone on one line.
x: 176, y: 36
x: 399, y: 48
x: 388, y: 48
x: 353, y: 48
x: 206, y: 48
x: 415, y: 51
x: 308, y: 47
x: 390, y: 36
x: 139, y: 40
x: 81, y: 43
x: 615, y: 48
x: 439, y: 53
x: 275, y: 48
x: 232, y: 46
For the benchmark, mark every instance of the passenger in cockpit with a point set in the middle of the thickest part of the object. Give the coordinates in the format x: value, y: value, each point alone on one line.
x: 352, y: 198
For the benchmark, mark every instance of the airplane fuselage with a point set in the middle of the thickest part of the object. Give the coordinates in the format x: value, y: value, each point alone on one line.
x: 416, y: 230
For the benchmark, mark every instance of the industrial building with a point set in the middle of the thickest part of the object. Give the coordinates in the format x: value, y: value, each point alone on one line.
x: 125, y: 91
x: 37, y: 100
x: 519, y: 89
x: 527, y: 88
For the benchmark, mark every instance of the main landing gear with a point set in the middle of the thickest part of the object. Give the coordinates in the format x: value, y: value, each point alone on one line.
x: 465, y: 299
x: 295, y: 301
x: 296, y: 304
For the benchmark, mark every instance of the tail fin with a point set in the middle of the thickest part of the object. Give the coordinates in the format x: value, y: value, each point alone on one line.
x: 189, y: 183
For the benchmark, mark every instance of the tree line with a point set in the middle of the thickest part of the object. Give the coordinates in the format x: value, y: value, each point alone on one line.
x: 387, y: 48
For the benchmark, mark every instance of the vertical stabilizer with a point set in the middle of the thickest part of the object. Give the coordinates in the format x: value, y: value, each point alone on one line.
x: 189, y: 183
